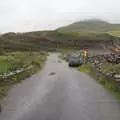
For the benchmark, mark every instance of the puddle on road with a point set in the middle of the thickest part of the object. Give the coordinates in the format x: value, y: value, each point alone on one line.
x: 52, y: 73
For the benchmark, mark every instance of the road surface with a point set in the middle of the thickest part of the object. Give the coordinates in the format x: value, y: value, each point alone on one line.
x: 59, y: 93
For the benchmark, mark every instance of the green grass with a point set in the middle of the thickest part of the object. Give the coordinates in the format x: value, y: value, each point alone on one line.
x: 84, y: 35
x: 50, y: 40
x: 15, y: 60
x: 8, y: 63
x: 86, y: 68
x: 114, y: 33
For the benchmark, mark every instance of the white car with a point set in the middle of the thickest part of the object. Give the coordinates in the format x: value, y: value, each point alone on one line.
x: 75, y: 60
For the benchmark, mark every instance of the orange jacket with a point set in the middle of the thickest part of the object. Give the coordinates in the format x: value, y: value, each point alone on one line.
x: 85, y: 53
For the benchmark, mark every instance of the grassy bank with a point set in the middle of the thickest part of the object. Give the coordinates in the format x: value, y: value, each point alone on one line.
x: 108, y: 83
x: 13, y: 61
x: 114, y: 33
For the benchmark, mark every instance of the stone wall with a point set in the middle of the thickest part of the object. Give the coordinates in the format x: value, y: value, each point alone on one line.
x: 6, y: 78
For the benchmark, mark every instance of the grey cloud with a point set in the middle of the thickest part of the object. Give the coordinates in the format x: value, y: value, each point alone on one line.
x: 27, y: 15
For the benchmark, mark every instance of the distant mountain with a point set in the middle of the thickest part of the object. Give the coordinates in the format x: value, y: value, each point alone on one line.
x: 63, y: 38
x: 91, y: 25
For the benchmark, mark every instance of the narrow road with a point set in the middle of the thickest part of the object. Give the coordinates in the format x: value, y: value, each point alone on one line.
x: 59, y: 93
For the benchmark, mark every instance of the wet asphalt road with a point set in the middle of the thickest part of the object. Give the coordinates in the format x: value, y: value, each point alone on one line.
x: 60, y: 93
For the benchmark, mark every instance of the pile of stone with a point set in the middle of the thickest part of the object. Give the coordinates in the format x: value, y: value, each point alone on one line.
x: 109, y: 58
x: 5, y: 77
x: 97, y: 60
x: 113, y: 58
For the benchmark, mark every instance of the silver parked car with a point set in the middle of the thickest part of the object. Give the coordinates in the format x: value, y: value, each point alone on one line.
x: 75, y: 60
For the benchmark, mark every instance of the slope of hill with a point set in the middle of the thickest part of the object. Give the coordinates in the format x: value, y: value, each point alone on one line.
x: 93, y: 25
x: 114, y: 33
x: 52, y: 40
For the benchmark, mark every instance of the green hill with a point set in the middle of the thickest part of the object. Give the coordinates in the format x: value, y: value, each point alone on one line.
x: 52, y: 40
x: 92, y: 25
x: 90, y: 33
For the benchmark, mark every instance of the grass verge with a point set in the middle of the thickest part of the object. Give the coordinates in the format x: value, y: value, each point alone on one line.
x: 114, y: 33
x: 108, y: 83
x: 37, y: 60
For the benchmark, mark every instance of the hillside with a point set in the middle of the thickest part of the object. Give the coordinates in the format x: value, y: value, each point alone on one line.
x: 96, y: 34
x: 52, y: 40
x: 89, y: 35
x: 93, y: 25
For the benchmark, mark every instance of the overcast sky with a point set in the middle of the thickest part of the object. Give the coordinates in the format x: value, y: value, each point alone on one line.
x: 31, y: 15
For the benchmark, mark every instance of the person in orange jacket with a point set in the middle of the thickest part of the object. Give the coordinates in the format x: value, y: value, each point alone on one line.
x: 85, y: 52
